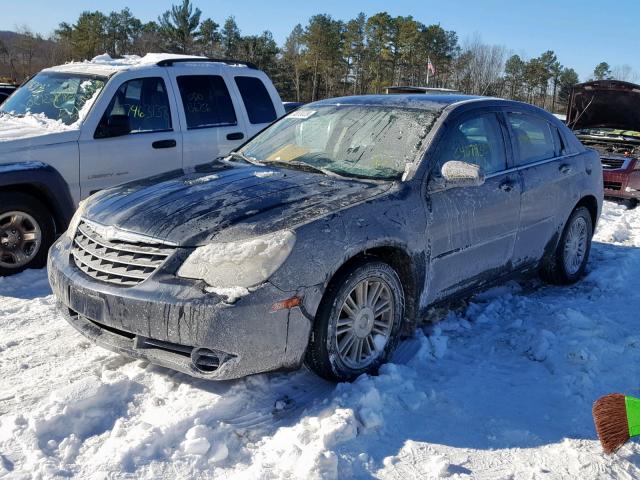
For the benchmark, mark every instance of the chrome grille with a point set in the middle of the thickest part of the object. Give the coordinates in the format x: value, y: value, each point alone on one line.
x: 114, y: 261
x: 613, y: 185
x: 612, y: 163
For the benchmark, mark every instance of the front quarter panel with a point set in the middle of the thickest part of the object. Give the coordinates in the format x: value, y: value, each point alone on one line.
x: 62, y: 157
x: 323, y: 246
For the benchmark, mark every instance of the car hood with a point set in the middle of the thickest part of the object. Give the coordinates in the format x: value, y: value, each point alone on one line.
x: 604, y: 104
x: 228, y: 203
x: 33, y: 131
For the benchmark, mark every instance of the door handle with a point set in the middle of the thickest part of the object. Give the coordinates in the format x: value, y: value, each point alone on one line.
x: 506, y: 186
x: 164, y: 144
x: 564, y: 168
x: 235, y: 136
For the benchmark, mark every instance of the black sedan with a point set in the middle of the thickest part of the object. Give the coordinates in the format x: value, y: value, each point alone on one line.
x: 328, y: 235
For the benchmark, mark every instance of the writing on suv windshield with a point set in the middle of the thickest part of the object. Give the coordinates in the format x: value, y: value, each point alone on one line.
x: 365, y: 141
x: 57, y: 96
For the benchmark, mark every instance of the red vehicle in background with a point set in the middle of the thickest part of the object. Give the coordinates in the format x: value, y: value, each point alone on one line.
x: 605, y: 116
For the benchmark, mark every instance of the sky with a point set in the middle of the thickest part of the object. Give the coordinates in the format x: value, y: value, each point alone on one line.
x: 582, y: 33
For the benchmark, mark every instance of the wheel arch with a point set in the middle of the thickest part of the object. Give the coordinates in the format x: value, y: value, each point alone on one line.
x: 404, y: 264
x: 591, y: 204
x: 42, y: 182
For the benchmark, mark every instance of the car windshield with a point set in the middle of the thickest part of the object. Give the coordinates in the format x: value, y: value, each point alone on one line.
x: 362, y: 141
x: 57, y: 96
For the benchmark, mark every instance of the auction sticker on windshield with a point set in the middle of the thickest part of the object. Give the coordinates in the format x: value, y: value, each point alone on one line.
x: 301, y: 114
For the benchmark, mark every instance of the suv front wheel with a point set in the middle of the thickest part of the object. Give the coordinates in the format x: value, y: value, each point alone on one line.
x: 27, y: 231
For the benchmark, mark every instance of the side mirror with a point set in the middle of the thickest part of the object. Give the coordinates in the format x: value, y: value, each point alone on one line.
x: 457, y: 174
x: 118, y: 125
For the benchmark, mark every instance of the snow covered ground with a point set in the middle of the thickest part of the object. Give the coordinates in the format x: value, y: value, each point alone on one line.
x: 499, y: 389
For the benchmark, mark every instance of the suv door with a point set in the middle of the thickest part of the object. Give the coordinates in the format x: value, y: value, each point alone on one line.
x: 548, y: 183
x: 213, y: 122
x: 472, y: 230
x: 152, y: 146
x: 257, y: 102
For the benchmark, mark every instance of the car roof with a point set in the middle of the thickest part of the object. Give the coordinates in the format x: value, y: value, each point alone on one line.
x: 457, y: 102
x: 104, y: 65
x: 420, y: 101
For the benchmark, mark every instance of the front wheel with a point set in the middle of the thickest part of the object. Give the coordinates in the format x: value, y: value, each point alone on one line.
x: 27, y: 231
x: 570, y: 259
x: 358, y: 322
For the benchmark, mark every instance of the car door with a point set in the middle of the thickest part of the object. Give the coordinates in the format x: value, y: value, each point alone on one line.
x: 211, y: 115
x: 472, y: 230
x: 153, y: 145
x: 548, y: 186
x: 256, y: 101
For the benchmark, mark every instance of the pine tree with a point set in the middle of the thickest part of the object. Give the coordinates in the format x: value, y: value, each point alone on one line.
x: 179, y: 27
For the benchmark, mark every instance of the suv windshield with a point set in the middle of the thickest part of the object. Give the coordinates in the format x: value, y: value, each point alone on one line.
x: 57, y: 96
x: 364, y: 141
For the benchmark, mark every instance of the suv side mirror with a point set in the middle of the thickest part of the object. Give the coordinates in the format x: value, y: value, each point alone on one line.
x: 118, y: 125
x: 457, y: 174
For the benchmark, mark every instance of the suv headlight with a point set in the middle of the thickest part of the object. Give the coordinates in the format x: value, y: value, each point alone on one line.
x: 244, y: 264
x: 75, y: 220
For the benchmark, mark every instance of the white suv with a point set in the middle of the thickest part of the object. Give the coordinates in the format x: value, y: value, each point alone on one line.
x: 74, y: 129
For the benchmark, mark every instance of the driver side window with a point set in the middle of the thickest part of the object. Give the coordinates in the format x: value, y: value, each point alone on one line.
x: 477, y: 140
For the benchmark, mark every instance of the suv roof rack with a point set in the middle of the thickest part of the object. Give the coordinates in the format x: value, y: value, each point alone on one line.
x: 168, y: 62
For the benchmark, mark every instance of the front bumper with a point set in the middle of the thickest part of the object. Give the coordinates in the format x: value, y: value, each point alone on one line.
x: 621, y: 183
x: 169, y: 321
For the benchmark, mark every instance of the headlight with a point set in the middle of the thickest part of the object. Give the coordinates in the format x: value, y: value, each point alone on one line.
x: 239, y: 264
x: 75, y: 220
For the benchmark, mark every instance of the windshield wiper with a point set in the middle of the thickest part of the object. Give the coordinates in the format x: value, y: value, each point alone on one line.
x: 305, y: 166
x: 244, y: 158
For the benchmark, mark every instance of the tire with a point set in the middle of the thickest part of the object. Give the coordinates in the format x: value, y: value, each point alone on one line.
x: 30, y: 218
x: 630, y: 203
x: 559, y: 269
x: 328, y: 353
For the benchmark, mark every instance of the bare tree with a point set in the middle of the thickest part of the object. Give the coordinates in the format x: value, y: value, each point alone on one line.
x: 482, y: 68
x: 625, y: 73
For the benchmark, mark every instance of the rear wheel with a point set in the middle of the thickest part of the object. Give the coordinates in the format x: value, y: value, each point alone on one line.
x: 570, y: 259
x: 358, y: 322
x: 26, y: 232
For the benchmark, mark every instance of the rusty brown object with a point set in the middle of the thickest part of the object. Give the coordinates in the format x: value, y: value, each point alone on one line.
x: 610, y: 418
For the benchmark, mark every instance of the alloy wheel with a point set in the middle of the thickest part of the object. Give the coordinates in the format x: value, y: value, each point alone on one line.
x: 575, y: 245
x: 364, y: 323
x: 20, y: 239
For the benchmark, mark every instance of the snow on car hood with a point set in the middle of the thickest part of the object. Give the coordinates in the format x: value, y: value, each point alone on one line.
x: 33, y: 130
x: 235, y: 202
x: 604, y: 104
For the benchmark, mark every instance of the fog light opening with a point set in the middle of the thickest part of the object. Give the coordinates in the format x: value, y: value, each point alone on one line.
x: 205, y: 360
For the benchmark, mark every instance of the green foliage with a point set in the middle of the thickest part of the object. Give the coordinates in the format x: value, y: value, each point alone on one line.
x: 231, y: 38
x: 602, y: 71
x: 567, y: 79
x: 179, y: 27
x: 210, y: 38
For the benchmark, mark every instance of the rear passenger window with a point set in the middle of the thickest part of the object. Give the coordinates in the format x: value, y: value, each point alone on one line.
x: 256, y: 100
x: 206, y: 101
x: 535, y: 137
x: 477, y: 140
x: 144, y: 101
